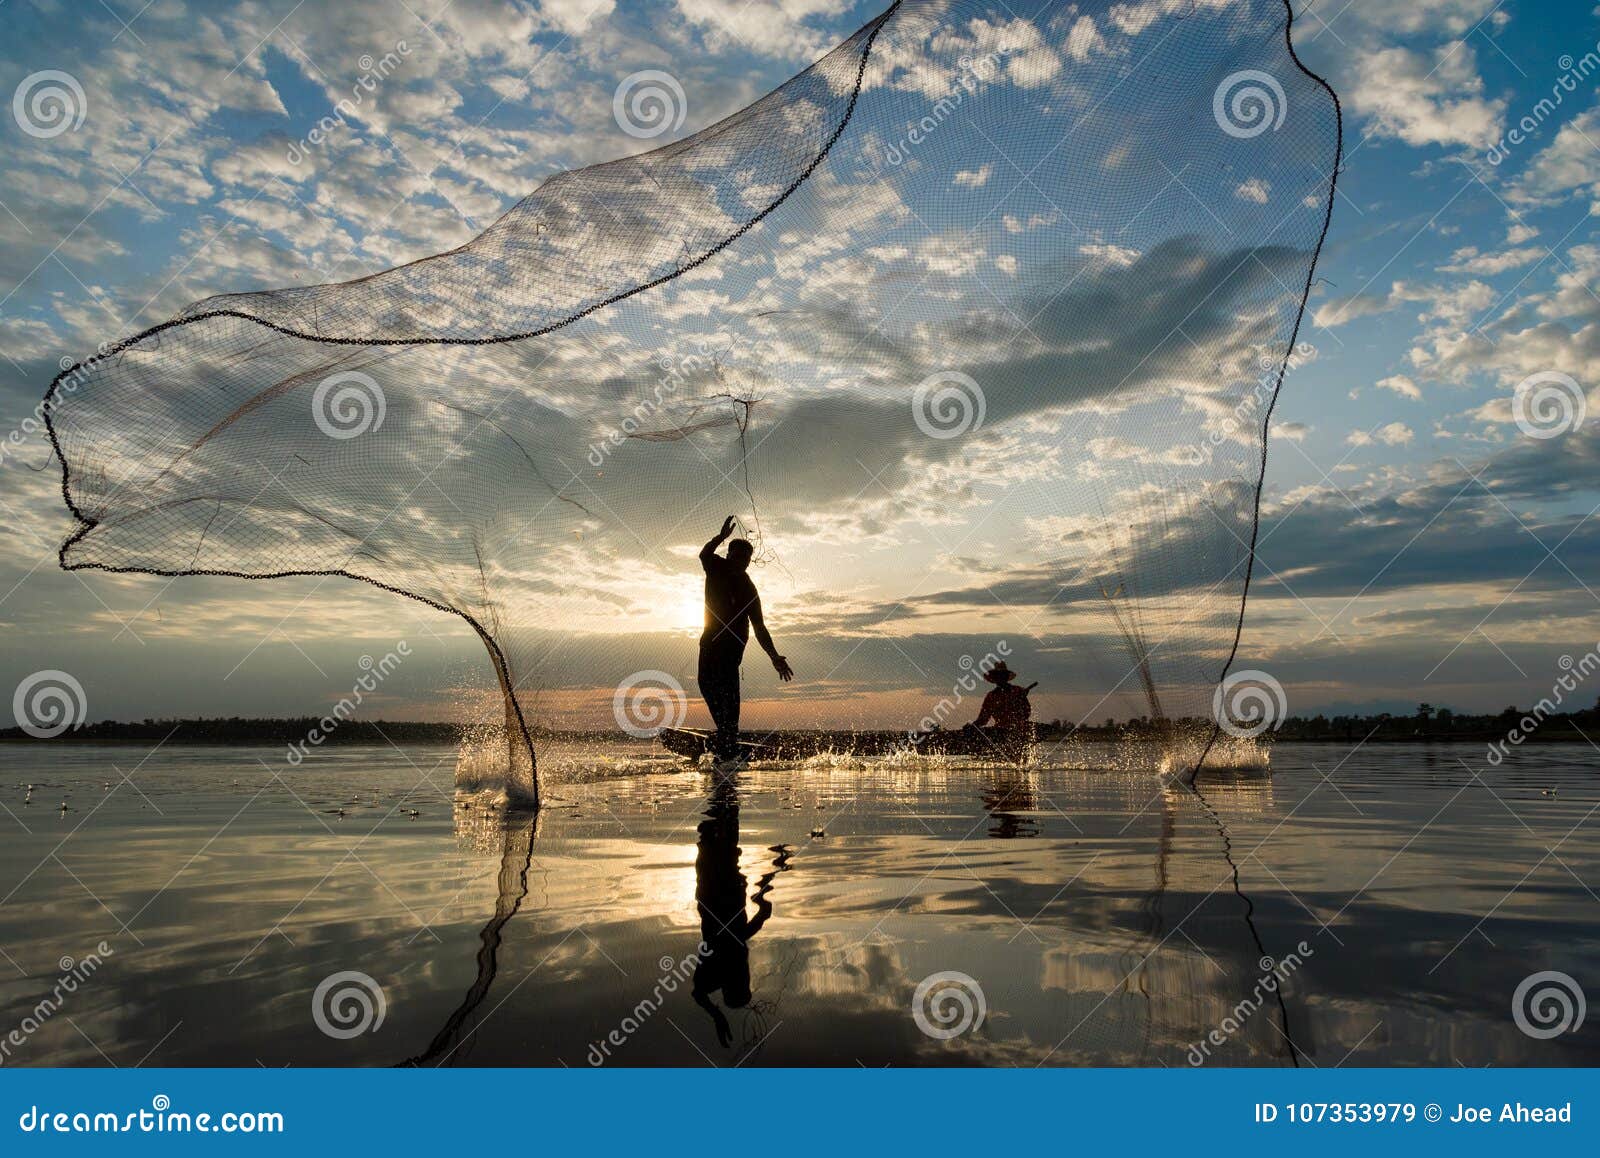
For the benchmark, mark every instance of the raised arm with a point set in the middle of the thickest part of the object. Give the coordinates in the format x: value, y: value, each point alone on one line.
x: 716, y: 541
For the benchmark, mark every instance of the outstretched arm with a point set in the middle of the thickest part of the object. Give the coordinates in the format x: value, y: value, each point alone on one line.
x: 764, y: 638
x: 986, y: 713
x: 715, y: 541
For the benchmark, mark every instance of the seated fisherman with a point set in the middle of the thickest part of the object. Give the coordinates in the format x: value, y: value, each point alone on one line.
x: 1007, y: 706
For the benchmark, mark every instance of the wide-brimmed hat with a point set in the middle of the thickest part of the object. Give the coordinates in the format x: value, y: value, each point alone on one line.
x: 1000, y: 674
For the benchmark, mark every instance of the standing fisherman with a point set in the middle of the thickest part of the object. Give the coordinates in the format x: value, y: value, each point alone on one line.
x: 733, y: 607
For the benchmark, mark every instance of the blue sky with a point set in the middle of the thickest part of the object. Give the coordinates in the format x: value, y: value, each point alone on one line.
x: 1417, y: 543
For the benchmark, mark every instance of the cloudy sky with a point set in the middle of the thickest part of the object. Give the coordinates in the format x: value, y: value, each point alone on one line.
x: 1417, y: 542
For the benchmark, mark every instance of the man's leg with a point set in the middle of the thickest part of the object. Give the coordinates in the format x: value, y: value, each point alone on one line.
x: 719, y: 687
x: 706, y: 677
x: 713, y: 689
x: 728, y: 730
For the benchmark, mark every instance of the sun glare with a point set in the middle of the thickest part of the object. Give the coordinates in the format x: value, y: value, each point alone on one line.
x: 684, y: 613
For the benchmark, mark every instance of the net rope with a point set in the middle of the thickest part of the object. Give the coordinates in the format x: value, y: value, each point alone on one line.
x: 1092, y: 228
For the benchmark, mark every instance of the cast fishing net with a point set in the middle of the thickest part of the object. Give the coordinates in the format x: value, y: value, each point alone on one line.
x: 976, y: 322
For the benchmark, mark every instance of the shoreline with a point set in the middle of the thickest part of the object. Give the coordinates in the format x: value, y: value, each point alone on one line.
x: 384, y: 734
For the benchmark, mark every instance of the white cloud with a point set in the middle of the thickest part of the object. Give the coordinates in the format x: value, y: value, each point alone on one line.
x: 1119, y: 255
x: 1469, y: 260
x: 1084, y: 39
x: 1402, y: 386
x: 1568, y: 163
x: 1452, y: 306
x: 1425, y: 99
x: 769, y: 27
x: 1393, y: 434
x: 254, y: 163
x: 1574, y: 294
x: 1014, y: 224
x: 575, y: 16
x: 1339, y: 311
x: 1255, y: 190
x: 27, y: 338
x: 1410, y: 17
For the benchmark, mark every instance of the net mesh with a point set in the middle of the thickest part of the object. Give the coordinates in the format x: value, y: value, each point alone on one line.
x: 1022, y: 276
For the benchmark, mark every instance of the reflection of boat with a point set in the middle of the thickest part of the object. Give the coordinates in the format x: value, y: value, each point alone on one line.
x: 1010, y: 799
x: 1009, y: 745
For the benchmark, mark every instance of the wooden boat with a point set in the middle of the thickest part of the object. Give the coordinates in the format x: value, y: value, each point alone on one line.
x: 1007, y: 745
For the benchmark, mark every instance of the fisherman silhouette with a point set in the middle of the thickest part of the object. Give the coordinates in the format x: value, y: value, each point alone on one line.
x: 719, y: 893
x: 733, y: 608
x: 1011, y: 713
x: 1007, y: 705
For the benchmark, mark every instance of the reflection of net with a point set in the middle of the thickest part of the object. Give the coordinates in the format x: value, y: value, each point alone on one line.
x: 1149, y: 979
x: 974, y: 238
x: 514, y: 833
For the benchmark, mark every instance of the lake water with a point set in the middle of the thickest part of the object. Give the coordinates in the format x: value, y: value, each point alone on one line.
x: 1085, y: 913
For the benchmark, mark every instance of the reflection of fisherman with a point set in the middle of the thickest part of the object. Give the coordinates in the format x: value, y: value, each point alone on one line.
x: 719, y: 893
x: 1010, y: 800
x: 733, y: 608
x: 1007, y: 706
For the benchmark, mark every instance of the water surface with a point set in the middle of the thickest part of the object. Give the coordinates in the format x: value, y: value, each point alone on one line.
x: 1400, y: 894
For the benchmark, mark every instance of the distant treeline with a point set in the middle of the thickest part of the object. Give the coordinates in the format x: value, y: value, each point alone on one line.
x: 237, y: 730
x: 1427, y: 723
x: 1431, y: 723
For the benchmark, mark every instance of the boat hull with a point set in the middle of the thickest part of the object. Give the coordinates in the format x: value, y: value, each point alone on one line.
x: 1007, y: 745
